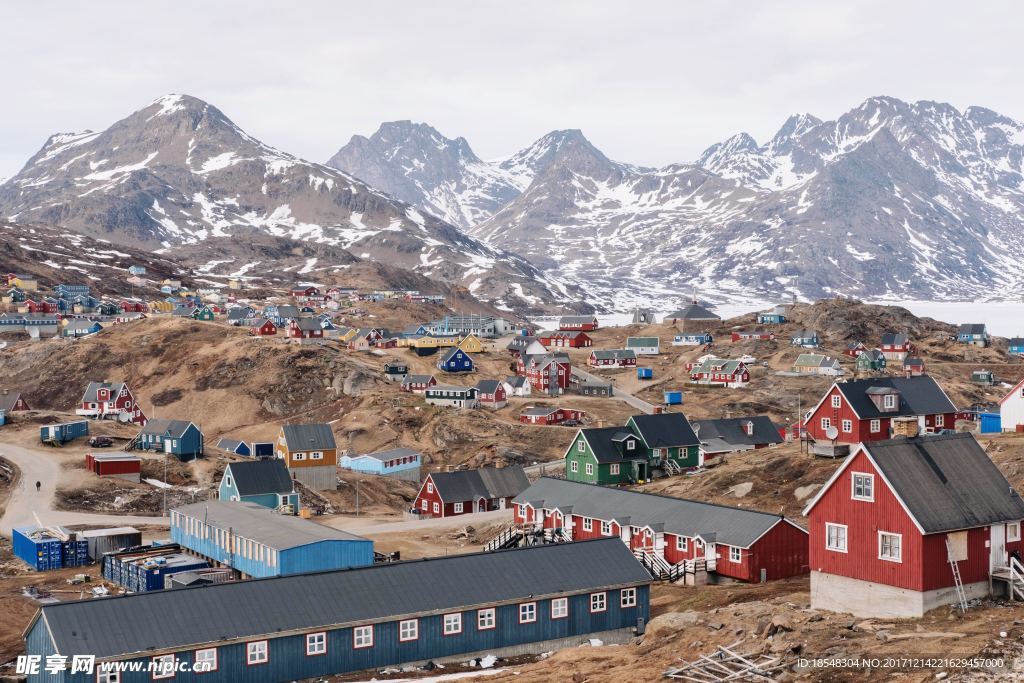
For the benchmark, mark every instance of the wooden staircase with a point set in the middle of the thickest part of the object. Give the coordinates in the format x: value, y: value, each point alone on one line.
x: 657, y: 566
x: 509, y: 538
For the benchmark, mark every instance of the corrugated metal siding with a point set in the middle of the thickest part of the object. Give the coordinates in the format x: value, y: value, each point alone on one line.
x: 863, y: 521
x: 38, y: 642
x: 326, y: 555
x: 288, y: 660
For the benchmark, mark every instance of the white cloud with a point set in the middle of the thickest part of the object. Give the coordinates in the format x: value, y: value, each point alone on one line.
x: 649, y: 83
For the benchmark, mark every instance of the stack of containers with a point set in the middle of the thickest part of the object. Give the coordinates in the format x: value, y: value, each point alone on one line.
x: 38, y: 548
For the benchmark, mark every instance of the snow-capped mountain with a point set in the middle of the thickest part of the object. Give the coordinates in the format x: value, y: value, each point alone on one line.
x: 892, y: 199
x: 180, y: 172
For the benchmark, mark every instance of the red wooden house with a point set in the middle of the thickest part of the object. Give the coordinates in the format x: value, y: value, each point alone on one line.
x: 110, y: 401
x: 491, y: 393
x: 863, y: 409
x: 262, y: 327
x: 896, y: 346
x: 41, y: 306
x: 304, y: 330
x: 755, y: 335
x: 446, y: 494
x: 549, y: 373
x: 855, y: 349
x: 742, y: 544
x: 132, y: 306
x: 549, y: 415
x: 11, y: 401
x: 612, y: 358
x: 563, y: 339
x: 888, y: 527
x: 304, y: 292
x: 584, y: 323
x: 417, y: 384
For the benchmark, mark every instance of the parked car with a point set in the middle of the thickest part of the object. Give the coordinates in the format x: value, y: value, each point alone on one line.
x: 571, y: 423
x: 748, y: 359
x: 100, y: 441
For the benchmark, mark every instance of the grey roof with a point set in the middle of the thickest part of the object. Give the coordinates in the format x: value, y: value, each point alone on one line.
x: 488, y: 386
x: 918, y: 396
x: 417, y: 379
x: 693, y: 312
x: 733, y: 431
x: 171, y: 428
x: 262, y: 524
x: 665, y: 430
x: 576, y: 319
x: 520, y: 342
x: 948, y: 482
x: 804, y: 334
x: 516, y: 381
x: 288, y: 311
x: 642, y: 341
x: 613, y: 354
x: 1017, y: 341
x: 731, y: 526
x: 256, y: 477
x: 391, y: 454
x: 540, y: 410
x: 309, y: 437
x: 90, y: 390
x: 606, y: 443
x: 453, y: 351
x: 486, y: 482
x: 912, y: 362
x: 80, y: 324
x: 308, y: 324
x: 472, y: 391
x: 8, y: 399
x: 240, y: 610
x: 894, y: 339
x: 229, y: 444
x: 971, y: 328
x: 255, y: 322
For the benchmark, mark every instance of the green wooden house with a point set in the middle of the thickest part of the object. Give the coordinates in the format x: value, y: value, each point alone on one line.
x: 204, y: 313
x: 871, y: 360
x: 629, y: 454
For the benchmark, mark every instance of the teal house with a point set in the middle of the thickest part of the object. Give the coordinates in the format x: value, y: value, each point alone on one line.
x: 263, y: 482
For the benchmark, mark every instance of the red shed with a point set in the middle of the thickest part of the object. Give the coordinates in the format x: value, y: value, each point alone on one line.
x: 746, y: 545
x: 896, y: 518
x: 565, y: 339
x: 116, y: 465
x: 586, y: 323
x: 863, y: 409
x: 549, y: 415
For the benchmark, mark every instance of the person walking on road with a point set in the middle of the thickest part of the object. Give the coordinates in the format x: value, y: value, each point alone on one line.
x: 39, y: 485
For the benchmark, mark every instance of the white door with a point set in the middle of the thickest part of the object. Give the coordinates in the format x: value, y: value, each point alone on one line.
x: 167, y: 445
x: 997, y: 546
x: 501, y: 503
x: 624, y: 533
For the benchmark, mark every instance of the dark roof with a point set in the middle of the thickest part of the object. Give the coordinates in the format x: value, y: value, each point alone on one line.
x: 894, y: 339
x: 516, y: 381
x: 488, y: 386
x: 693, y: 312
x: 90, y: 391
x: 971, y: 328
x: 613, y: 354
x: 417, y: 379
x: 486, y: 482
x: 948, y: 482
x: 307, y: 324
x: 8, y: 399
x: 256, y: 477
x: 605, y: 446
x: 731, y: 526
x: 1017, y: 341
x: 910, y: 361
x: 172, y: 428
x: 308, y: 437
x: 139, y: 623
x: 665, y: 430
x: 733, y: 431
x: 918, y: 396
x: 804, y: 334
x: 452, y: 352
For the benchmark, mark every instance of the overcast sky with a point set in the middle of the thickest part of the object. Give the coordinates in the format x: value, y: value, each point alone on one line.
x: 649, y: 83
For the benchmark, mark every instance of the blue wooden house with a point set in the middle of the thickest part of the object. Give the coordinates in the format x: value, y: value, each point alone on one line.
x: 387, y: 615
x: 136, y: 270
x: 400, y: 463
x: 263, y: 482
x: 455, y: 360
x: 973, y: 333
x: 80, y: 328
x: 70, y: 291
x: 258, y: 542
x: 775, y: 316
x: 1017, y: 346
x: 180, y: 438
x: 234, y: 446
x: 698, y: 339
x: 808, y: 339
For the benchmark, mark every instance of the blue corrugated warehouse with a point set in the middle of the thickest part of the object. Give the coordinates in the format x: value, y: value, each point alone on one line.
x: 504, y: 603
x: 258, y: 542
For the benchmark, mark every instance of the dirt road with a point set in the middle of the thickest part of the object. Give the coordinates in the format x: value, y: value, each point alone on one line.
x: 630, y: 399
x: 38, y: 465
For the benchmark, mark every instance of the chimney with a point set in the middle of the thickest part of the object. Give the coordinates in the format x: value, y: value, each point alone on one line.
x: 601, y: 424
x: 905, y: 426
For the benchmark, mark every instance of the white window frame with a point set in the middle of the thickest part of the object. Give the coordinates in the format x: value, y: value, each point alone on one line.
x: 437, y: 508
x: 826, y: 422
x: 581, y: 446
x: 598, y: 602
x: 408, y: 630
x: 940, y: 420
x: 362, y: 637
x: 898, y: 557
x: 451, y: 621
x: 588, y: 524
x: 316, y: 644
x: 590, y: 469
x: 425, y: 505
x: 837, y: 401
x: 847, y: 426
x: 457, y: 508
x: 682, y: 544
x: 110, y: 676
x: 1015, y: 536
x: 574, y: 466
x: 201, y: 659
x: 627, y: 597
x: 486, y: 619
x: 876, y: 426
x: 889, y: 401
x: 735, y: 554
x: 606, y: 528
x: 614, y: 468
x: 163, y: 667
x: 560, y: 608
x: 430, y: 487
x: 829, y: 526
x: 870, y: 478
x: 255, y: 654
x: 527, y: 612
x: 630, y: 444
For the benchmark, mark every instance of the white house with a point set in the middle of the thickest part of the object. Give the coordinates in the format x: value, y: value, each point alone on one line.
x: 1011, y: 409
x: 644, y: 346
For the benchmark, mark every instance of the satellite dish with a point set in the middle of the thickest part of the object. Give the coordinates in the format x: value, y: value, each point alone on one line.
x: 832, y: 433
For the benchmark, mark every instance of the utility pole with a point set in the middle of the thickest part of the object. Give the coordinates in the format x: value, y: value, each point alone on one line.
x: 357, y: 497
x: 165, y: 484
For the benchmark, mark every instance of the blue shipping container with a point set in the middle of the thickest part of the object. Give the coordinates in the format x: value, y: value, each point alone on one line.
x: 673, y: 398
x: 991, y: 423
x: 62, y: 433
x: 37, y: 548
x: 644, y: 373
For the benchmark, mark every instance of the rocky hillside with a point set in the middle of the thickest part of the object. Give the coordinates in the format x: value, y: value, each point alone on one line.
x: 891, y: 199
x: 180, y: 172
